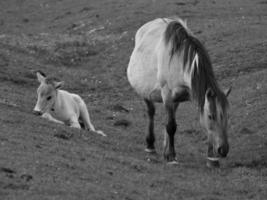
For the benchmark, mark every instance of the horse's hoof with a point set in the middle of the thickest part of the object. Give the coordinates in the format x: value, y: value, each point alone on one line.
x: 174, y: 162
x: 213, y: 163
x: 150, y: 150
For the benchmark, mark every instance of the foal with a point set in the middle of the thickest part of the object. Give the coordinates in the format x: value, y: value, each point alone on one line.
x: 61, y: 106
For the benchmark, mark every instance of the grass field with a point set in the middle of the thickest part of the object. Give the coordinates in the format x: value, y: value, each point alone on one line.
x: 87, y: 44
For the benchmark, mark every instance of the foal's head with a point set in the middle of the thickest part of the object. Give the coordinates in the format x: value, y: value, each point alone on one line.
x: 46, y: 93
x: 214, y: 118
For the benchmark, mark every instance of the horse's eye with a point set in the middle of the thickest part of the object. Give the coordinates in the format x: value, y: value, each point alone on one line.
x: 48, y: 98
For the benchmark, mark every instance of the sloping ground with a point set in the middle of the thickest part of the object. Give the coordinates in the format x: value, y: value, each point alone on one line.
x: 87, y: 44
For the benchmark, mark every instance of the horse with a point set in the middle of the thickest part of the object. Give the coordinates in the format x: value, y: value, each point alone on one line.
x: 170, y: 65
x: 60, y: 106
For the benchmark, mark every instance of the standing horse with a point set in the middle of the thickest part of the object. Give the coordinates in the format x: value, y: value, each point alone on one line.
x: 170, y: 65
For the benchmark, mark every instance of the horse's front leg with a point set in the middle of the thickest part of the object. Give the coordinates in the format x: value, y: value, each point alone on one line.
x: 150, y: 137
x: 170, y: 106
x: 169, y: 150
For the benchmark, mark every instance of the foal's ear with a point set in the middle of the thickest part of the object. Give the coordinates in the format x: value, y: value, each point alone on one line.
x: 40, y: 77
x: 59, y: 84
x: 227, y: 91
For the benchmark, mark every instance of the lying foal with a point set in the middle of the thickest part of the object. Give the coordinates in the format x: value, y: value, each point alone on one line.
x: 61, y: 106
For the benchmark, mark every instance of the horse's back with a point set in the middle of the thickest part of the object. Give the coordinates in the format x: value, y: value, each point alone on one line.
x: 142, y: 69
x: 150, y: 31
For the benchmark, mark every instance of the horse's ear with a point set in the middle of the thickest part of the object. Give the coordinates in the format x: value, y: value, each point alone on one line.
x: 227, y: 91
x: 210, y: 93
x: 40, y: 76
x: 59, y: 84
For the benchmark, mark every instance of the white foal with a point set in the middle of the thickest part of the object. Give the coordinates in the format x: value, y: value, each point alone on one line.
x: 61, y: 106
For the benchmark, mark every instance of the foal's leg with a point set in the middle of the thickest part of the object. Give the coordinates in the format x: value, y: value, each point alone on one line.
x: 50, y: 118
x: 74, y: 122
x: 150, y: 137
x: 87, y: 121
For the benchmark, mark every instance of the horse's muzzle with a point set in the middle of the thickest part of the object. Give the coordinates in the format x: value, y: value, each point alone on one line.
x: 38, y: 113
x: 223, y: 151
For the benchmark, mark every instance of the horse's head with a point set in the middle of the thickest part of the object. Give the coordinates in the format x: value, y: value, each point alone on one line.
x: 214, y: 118
x: 46, y: 93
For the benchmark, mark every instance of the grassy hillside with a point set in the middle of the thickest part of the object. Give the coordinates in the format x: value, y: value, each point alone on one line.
x: 87, y: 44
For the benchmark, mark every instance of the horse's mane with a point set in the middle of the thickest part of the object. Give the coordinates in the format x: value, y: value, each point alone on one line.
x: 202, y: 76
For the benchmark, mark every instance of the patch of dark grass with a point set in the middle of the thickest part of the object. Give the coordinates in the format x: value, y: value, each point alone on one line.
x: 86, y: 9
x: 189, y: 132
x: 118, y: 108
x: 63, y: 136
x: 72, y: 54
x: 25, y: 20
x: 263, y: 2
x: 198, y: 32
x: 39, y: 51
x: 195, y: 2
x: 18, y: 80
x: 196, y: 134
x: 13, y: 186
x: 14, y: 49
x: 251, y: 164
x: 122, y: 122
x: 246, y: 130
x: 7, y: 170
x: 73, y: 57
x: 4, y: 61
x: 180, y: 3
x: 236, y: 71
x: 253, y: 68
x: 26, y: 177
x: 63, y: 16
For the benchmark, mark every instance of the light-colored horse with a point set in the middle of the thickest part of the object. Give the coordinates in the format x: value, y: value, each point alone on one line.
x: 170, y: 65
x: 61, y: 106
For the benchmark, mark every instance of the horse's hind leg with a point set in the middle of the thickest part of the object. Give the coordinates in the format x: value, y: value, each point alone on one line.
x: 150, y: 137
